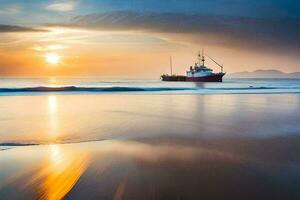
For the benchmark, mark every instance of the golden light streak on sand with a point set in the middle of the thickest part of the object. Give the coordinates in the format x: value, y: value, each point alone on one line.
x: 58, y: 174
x: 120, y: 191
x: 63, y: 174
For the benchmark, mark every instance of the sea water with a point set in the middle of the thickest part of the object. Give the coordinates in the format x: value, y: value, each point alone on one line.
x: 27, y: 86
x: 134, y: 139
x: 47, y: 110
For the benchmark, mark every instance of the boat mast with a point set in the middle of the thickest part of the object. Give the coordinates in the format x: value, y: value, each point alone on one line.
x: 203, y: 59
x: 199, y: 59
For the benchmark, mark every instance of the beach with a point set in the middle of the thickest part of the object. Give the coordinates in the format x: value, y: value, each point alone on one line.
x: 149, y: 100
x: 149, y: 146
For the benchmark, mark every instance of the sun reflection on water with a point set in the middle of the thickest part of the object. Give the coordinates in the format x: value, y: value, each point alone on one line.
x: 52, y: 81
x: 52, y: 104
x: 55, y: 154
x: 52, y: 117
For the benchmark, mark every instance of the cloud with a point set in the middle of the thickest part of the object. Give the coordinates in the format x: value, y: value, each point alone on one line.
x: 62, y: 6
x: 11, y: 9
x: 246, y: 31
x: 11, y: 28
x: 54, y: 47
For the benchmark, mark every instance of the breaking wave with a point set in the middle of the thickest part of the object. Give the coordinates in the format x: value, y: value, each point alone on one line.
x: 90, y: 89
x: 209, y: 90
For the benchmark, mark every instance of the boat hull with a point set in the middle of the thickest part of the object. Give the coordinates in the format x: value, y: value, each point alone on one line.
x: 173, y: 78
x: 213, y: 78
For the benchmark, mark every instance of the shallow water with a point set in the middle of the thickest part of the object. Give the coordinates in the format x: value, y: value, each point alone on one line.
x: 74, y: 118
x: 149, y: 146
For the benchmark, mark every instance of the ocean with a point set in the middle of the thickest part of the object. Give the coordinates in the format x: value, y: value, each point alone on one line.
x: 28, y: 86
x: 86, y: 138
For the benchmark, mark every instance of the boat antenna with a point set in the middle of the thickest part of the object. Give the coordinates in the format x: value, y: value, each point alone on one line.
x: 216, y: 63
x: 171, y: 65
x: 199, y: 58
x: 203, y: 59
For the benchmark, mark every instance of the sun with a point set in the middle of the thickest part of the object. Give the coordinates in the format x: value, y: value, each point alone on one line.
x: 52, y: 58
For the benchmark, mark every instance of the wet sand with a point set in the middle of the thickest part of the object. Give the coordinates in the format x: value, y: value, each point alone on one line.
x: 112, y: 169
x: 151, y: 147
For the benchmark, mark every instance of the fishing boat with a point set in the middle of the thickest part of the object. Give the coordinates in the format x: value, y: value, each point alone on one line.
x: 197, y: 73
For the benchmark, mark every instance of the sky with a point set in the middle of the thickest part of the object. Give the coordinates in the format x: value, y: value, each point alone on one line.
x: 134, y: 38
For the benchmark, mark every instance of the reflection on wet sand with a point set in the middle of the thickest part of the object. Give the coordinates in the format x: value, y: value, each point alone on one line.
x: 151, y: 147
x: 61, y: 173
x: 158, y: 169
x: 52, y: 178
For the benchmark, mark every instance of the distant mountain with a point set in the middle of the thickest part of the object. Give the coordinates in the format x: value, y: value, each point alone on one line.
x: 265, y: 74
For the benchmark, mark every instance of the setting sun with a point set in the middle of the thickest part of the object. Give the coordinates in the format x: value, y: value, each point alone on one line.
x: 52, y: 58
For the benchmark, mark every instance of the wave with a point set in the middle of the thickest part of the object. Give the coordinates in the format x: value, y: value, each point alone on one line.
x: 42, y: 89
x: 14, y: 144
x: 90, y: 89
x: 255, y: 88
